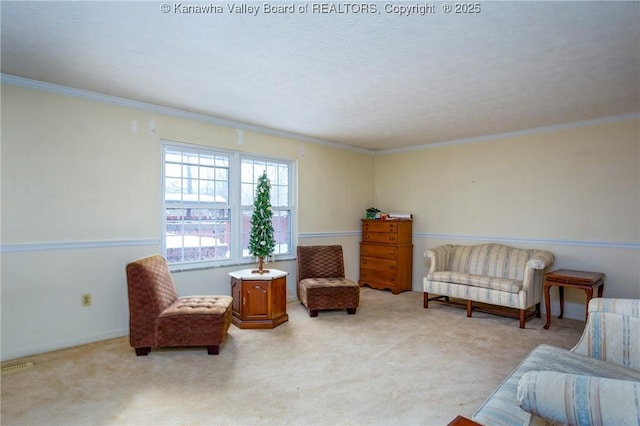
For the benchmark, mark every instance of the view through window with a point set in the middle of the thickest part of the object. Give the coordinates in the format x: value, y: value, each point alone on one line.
x: 208, y: 203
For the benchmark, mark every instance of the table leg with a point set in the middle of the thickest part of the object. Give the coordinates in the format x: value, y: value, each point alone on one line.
x: 561, y: 293
x: 600, y: 289
x: 547, y: 305
x: 589, y: 292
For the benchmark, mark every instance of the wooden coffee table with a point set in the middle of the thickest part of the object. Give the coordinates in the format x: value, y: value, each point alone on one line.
x: 584, y: 280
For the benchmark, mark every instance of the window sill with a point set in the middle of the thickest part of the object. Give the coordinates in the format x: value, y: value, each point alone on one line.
x: 205, y: 265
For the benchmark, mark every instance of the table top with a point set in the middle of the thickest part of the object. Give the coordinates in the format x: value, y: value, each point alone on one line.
x: 248, y: 274
x: 573, y: 276
x: 462, y: 421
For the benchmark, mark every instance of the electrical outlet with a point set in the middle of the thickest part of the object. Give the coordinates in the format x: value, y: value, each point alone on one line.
x: 86, y: 300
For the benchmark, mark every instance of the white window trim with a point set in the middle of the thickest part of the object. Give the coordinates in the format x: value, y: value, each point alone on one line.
x: 237, y: 258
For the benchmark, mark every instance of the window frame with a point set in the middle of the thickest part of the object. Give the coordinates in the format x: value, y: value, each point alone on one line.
x: 236, y: 209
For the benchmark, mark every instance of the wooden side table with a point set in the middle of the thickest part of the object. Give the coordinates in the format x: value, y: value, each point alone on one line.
x: 259, y: 300
x: 584, y: 280
x: 462, y: 421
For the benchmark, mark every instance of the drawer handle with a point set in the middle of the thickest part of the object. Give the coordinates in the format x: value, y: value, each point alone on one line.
x: 392, y: 237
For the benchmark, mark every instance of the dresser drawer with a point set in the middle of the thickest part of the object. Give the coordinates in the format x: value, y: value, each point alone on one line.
x: 380, y: 226
x: 382, y: 277
x: 380, y: 237
x: 385, y: 252
x: 378, y: 264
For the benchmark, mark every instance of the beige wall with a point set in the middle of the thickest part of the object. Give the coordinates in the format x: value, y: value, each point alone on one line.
x: 81, y: 194
x: 575, y: 192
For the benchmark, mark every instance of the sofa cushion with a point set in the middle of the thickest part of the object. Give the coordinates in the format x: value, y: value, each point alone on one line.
x: 580, y: 400
x: 194, y: 305
x: 502, y: 408
x: 494, y: 283
x: 329, y: 293
x: 494, y: 260
x: 195, y: 321
x: 327, y: 282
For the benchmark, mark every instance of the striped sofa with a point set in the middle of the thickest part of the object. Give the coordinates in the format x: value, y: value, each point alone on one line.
x: 595, y: 383
x: 494, y: 274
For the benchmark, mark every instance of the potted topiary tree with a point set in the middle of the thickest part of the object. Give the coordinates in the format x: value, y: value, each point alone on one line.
x: 261, y: 241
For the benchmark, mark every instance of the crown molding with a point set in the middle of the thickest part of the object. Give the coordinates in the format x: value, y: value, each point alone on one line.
x: 27, y: 83
x: 526, y: 132
x: 59, y: 89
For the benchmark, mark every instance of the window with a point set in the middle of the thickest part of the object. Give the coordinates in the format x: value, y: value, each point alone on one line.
x: 208, y: 203
x: 278, y: 174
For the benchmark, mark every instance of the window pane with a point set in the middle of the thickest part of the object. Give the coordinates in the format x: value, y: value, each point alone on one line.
x: 172, y: 170
x: 246, y: 231
x: 282, y: 231
x: 278, y: 174
x: 248, y: 192
x: 173, y: 156
x: 197, y: 234
x: 222, y: 191
x: 172, y: 189
x: 207, y: 160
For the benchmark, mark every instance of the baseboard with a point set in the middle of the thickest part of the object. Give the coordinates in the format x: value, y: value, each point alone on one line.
x: 64, y: 344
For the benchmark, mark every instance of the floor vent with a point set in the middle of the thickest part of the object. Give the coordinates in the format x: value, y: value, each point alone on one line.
x: 17, y: 367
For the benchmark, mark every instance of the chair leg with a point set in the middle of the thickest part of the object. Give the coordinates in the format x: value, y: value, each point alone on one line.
x: 351, y: 311
x: 143, y: 351
x: 213, y: 350
x: 537, y: 310
x: 313, y: 312
x: 522, y: 317
x: 469, y: 307
x: 425, y: 300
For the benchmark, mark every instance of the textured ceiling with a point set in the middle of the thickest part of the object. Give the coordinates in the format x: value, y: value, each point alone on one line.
x: 377, y: 81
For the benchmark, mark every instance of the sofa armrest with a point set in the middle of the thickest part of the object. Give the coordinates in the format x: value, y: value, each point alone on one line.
x: 533, y: 276
x: 629, y: 307
x: 439, y: 257
x: 541, y: 259
x: 579, y: 400
x: 612, y: 332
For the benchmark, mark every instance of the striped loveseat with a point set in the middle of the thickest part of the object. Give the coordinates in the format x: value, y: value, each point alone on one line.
x: 494, y: 274
x: 595, y: 383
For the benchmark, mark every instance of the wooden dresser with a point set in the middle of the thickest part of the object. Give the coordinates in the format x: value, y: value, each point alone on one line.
x: 386, y: 255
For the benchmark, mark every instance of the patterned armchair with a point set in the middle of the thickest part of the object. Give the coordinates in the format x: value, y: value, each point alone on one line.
x: 321, y: 283
x: 159, y: 318
x: 595, y: 383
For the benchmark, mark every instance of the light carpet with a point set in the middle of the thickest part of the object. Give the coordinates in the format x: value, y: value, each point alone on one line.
x: 393, y: 363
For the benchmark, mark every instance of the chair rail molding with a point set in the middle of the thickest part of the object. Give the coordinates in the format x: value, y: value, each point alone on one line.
x: 74, y: 245
x: 605, y: 244
x: 632, y: 245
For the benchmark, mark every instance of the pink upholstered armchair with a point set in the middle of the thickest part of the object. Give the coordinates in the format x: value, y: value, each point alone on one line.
x: 159, y: 318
